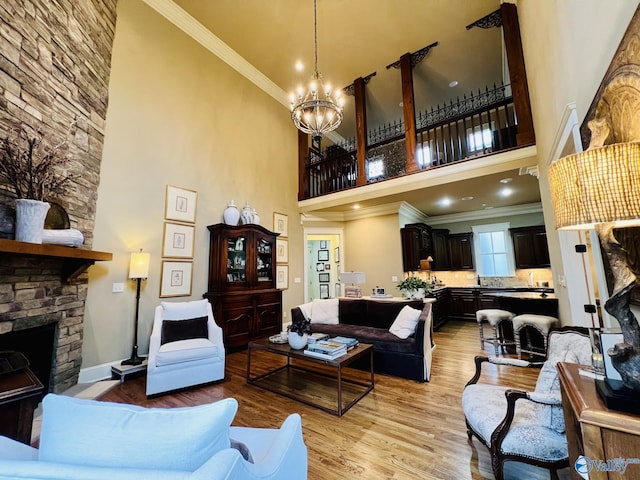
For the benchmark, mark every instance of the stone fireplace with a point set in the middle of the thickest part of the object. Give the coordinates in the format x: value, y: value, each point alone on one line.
x: 54, y: 77
x: 36, y: 307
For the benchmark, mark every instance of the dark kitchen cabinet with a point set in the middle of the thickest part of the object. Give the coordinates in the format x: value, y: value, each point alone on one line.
x: 440, y: 240
x: 530, y: 247
x: 461, y: 251
x: 463, y: 303
x: 416, y: 245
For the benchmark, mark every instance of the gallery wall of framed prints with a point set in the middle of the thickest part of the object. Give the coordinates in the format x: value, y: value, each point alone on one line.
x: 281, y: 226
x: 178, y: 238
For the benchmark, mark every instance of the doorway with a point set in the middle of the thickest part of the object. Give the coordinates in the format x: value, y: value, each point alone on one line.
x: 324, y: 256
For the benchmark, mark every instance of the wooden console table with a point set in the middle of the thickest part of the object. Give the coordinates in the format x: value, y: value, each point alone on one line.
x: 20, y: 393
x: 595, y: 431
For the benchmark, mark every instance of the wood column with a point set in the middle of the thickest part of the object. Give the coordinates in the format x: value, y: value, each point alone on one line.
x: 303, y: 174
x: 361, y: 130
x: 409, y: 113
x: 517, y: 73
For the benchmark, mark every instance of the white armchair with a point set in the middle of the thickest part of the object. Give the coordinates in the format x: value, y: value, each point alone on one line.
x: 525, y: 426
x: 182, y: 352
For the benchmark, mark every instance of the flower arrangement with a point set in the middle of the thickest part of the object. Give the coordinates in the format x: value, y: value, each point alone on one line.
x: 414, y: 287
x: 300, y: 326
x: 31, y: 166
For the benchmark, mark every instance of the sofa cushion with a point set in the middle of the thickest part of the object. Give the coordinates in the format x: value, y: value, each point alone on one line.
x: 405, y: 323
x: 174, y: 330
x: 325, y: 311
x: 185, y: 351
x: 379, y: 338
x: 180, y: 310
x: 353, y: 311
x: 103, y: 434
x: 382, y: 313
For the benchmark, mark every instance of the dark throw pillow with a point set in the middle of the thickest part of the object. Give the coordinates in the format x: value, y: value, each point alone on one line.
x: 174, y: 330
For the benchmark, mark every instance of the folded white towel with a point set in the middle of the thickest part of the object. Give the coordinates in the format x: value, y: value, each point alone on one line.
x: 69, y: 237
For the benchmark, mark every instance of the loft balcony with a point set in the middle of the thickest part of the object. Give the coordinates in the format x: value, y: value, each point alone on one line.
x: 492, y: 120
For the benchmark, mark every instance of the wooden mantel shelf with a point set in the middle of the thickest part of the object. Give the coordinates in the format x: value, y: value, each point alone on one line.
x: 76, y: 260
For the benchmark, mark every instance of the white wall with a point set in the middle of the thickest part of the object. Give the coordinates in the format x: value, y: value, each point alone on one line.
x: 568, y: 45
x: 179, y: 116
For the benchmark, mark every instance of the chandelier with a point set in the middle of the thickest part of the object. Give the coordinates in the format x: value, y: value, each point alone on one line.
x: 318, y: 110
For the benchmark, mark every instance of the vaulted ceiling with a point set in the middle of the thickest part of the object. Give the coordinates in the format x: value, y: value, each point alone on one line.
x: 359, y: 37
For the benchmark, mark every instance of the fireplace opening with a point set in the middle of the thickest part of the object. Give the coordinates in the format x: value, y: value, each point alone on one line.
x: 37, y: 344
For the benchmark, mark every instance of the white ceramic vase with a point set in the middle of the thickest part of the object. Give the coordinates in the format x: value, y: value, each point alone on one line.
x: 296, y: 341
x: 231, y: 214
x: 30, y: 216
x: 256, y: 217
x: 247, y: 214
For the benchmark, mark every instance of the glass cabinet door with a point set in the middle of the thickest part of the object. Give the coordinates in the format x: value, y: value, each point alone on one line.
x: 264, y: 259
x: 237, y: 259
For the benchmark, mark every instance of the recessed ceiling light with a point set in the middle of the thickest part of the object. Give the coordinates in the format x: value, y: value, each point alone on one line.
x: 356, y: 206
x: 453, y: 83
x: 445, y: 202
x: 467, y: 198
x: 506, y: 191
x: 506, y: 180
x: 299, y: 66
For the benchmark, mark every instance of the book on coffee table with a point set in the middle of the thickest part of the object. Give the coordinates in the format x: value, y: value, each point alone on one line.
x: 325, y: 356
x: 326, y: 346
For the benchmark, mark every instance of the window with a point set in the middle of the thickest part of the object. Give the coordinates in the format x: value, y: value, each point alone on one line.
x: 479, y: 139
x: 494, y: 250
x: 375, y: 167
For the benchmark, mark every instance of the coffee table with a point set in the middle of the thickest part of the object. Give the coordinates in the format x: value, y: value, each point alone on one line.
x: 311, y: 381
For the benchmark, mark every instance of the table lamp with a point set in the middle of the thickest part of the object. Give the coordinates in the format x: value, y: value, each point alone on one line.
x: 138, y: 270
x: 600, y: 189
x: 352, y: 291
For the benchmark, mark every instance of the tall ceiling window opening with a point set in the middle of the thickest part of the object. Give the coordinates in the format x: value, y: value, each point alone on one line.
x: 494, y: 250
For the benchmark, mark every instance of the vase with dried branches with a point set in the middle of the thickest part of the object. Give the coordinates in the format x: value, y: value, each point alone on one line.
x: 35, y: 170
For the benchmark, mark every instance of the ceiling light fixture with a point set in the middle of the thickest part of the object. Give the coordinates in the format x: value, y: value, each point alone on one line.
x: 299, y: 66
x: 316, y: 111
x: 466, y: 199
x: 445, y: 202
x: 506, y: 180
x: 505, y: 192
x: 453, y: 83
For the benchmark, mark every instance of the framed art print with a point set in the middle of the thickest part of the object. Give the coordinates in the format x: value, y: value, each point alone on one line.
x: 177, y: 240
x: 180, y: 204
x: 175, y: 279
x: 282, y: 276
x: 324, y: 277
x: 323, y: 255
x: 281, y: 224
x: 282, y: 250
x: 324, y: 290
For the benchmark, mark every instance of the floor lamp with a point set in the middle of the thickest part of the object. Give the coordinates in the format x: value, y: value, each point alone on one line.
x: 138, y: 270
x: 600, y: 189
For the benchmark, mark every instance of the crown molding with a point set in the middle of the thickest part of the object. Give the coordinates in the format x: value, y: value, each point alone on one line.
x: 490, y: 213
x: 198, y: 32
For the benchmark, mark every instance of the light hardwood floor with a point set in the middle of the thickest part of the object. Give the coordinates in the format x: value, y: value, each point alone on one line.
x: 401, y: 430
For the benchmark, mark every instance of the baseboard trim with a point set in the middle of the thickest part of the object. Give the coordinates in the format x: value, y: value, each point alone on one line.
x: 96, y: 373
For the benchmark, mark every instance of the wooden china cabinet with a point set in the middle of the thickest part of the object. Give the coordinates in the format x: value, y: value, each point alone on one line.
x: 242, y: 293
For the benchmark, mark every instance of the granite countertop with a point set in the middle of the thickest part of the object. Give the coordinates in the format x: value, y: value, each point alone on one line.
x: 535, y: 295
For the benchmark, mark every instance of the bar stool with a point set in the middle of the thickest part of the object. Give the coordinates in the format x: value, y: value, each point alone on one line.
x: 541, y: 323
x: 494, y: 317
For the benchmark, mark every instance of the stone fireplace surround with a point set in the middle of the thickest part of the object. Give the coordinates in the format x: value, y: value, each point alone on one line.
x: 55, y: 62
x: 33, y: 295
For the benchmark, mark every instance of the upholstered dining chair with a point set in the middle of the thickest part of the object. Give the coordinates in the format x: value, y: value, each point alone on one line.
x: 525, y: 426
x: 186, y: 347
